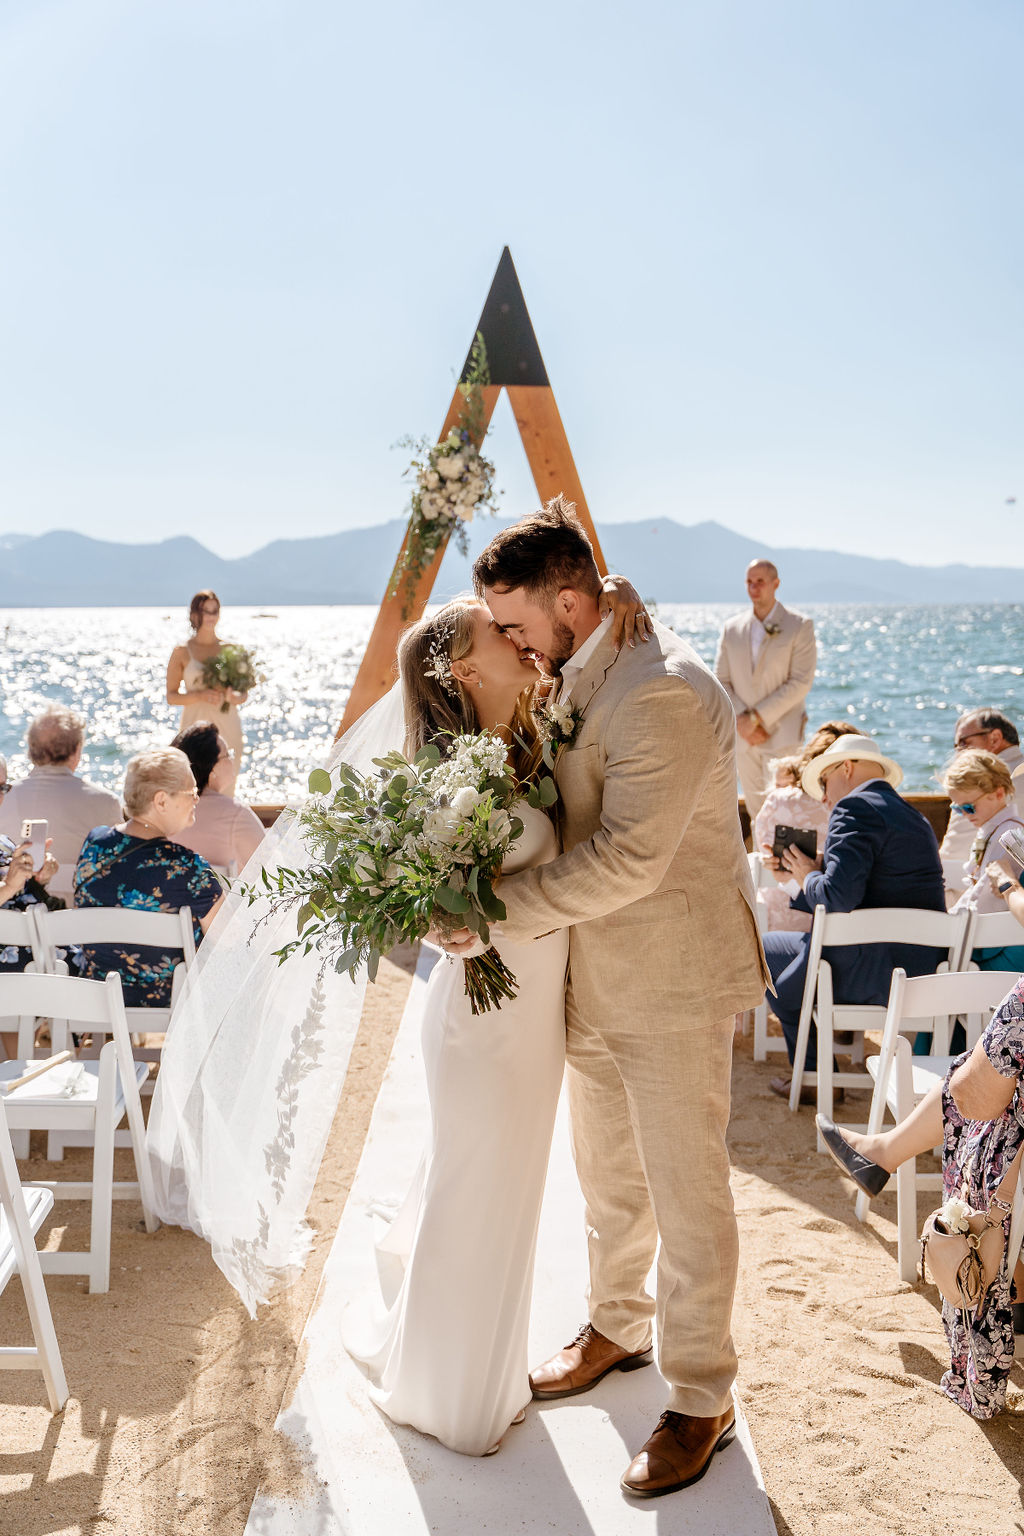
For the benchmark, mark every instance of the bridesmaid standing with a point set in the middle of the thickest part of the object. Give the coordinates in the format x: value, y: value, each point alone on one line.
x: 185, y: 685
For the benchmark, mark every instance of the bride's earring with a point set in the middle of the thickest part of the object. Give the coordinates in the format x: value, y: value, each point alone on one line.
x: 480, y: 683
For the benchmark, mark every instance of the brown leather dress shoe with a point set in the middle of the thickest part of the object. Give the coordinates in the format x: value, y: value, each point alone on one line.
x: 583, y: 1362
x: 678, y: 1453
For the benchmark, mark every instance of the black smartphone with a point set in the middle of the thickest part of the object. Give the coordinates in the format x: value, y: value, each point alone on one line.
x: 804, y: 838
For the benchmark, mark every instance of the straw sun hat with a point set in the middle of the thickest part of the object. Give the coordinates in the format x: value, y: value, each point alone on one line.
x: 841, y: 750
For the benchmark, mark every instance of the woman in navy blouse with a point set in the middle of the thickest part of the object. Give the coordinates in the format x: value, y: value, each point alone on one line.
x: 138, y: 864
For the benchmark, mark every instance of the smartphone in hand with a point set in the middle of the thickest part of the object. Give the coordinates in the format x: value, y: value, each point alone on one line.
x: 35, y: 833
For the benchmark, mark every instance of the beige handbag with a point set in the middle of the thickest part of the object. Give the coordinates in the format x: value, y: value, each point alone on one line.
x: 964, y: 1264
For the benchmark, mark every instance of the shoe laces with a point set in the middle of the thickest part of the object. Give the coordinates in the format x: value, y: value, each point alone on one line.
x: 586, y: 1333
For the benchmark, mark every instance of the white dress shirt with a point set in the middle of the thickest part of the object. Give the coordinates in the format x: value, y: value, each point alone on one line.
x: 572, y: 668
x: 758, y: 633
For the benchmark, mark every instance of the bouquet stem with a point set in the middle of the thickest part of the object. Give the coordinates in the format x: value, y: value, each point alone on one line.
x: 489, y: 982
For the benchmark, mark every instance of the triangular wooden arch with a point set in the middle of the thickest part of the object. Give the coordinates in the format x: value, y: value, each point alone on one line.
x: 516, y: 366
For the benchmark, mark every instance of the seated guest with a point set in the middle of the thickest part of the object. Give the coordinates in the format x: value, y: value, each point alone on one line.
x: 140, y: 864
x: 20, y: 889
x: 787, y: 805
x: 879, y: 852
x: 56, y: 794
x: 982, y: 730
x: 226, y: 832
x: 980, y: 789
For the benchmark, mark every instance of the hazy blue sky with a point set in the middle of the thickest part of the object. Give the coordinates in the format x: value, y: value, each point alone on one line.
x: 772, y: 250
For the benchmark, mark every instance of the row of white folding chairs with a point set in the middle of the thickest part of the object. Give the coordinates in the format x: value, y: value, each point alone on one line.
x: 901, y: 1080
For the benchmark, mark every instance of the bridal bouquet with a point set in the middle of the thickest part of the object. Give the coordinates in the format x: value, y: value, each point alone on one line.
x: 232, y: 667
x: 411, y: 848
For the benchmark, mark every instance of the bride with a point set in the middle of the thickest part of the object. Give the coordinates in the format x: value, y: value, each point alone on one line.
x: 256, y: 1054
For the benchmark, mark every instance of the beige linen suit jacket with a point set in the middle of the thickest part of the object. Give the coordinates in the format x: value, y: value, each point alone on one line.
x: 778, y: 685
x: 653, y: 878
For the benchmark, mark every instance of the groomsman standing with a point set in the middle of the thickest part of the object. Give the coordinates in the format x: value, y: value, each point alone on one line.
x: 766, y: 660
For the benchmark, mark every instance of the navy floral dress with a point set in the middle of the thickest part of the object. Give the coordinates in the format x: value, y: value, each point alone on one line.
x: 975, y: 1157
x: 149, y: 875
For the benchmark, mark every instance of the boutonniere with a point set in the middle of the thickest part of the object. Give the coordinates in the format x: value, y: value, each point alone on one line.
x: 771, y: 629
x: 558, y: 723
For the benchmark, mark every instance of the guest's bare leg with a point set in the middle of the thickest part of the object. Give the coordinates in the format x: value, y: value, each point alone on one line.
x: 919, y: 1132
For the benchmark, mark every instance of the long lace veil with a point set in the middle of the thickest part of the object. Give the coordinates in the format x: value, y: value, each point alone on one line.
x: 253, y: 1065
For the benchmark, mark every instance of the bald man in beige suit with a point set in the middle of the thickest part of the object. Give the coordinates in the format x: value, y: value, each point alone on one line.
x: 766, y: 661
x: 654, y: 885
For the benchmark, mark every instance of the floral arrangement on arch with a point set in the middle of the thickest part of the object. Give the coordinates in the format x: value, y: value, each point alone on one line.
x: 453, y: 482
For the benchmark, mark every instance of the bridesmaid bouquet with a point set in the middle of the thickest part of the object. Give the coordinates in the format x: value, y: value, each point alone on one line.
x: 411, y: 848
x: 232, y: 667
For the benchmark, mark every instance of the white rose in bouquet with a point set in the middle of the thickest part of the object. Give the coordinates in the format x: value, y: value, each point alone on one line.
x: 451, y: 466
x: 465, y: 801
x: 442, y: 827
x: 464, y: 510
x: 431, y: 479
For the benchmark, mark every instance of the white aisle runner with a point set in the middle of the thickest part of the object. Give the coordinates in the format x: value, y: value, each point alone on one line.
x: 558, y: 1472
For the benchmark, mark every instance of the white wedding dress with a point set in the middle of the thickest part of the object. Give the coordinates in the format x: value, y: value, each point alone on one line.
x: 445, y: 1344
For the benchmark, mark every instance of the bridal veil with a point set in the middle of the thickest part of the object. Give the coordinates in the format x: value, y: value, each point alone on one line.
x: 253, y: 1065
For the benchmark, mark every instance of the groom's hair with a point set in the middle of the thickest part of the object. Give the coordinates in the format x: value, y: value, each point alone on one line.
x: 542, y: 554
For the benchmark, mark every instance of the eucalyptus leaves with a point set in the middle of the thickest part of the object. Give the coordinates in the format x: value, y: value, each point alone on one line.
x: 453, y: 482
x: 413, y: 847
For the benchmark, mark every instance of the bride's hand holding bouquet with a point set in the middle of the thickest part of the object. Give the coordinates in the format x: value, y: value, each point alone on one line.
x: 411, y: 850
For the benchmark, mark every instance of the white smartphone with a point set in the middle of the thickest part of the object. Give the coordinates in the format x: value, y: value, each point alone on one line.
x: 1013, y: 841
x: 34, y: 832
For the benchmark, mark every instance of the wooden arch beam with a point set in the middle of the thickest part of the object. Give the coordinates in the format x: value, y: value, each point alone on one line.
x: 515, y: 365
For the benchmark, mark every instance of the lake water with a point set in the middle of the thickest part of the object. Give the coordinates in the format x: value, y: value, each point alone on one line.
x: 901, y: 673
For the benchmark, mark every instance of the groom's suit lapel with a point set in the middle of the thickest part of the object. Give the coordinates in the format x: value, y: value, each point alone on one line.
x: 590, y: 680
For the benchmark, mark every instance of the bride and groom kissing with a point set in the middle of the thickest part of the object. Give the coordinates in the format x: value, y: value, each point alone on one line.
x: 645, y: 891
x: 629, y: 927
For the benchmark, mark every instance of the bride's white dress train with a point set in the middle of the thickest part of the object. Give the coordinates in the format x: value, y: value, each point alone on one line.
x: 445, y: 1343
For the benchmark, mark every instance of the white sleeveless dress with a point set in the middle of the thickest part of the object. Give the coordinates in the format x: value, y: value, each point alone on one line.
x: 229, y: 723
x: 446, y: 1351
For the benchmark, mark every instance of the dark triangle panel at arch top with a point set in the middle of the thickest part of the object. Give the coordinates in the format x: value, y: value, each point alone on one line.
x: 513, y: 355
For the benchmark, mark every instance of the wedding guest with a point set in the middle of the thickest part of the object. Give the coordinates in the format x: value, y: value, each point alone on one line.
x: 185, y: 685
x: 975, y: 1115
x: 982, y: 730
x: 789, y: 805
x: 56, y: 793
x: 879, y: 852
x: 980, y: 788
x: 766, y: 661
x: 226, y: 832
x: 20, y: 888
x: 140, y: 864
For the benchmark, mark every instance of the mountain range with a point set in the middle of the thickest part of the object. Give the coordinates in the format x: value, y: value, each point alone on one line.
x: 666, y: 560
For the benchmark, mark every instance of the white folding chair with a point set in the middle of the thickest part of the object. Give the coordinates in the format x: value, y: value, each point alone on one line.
x: 22, y: 1213
x: 20, y: 928
x: 124, y: 927
x: 902, y: 1079
x: 868, y: 925
x: 990, y: 930
x: 763, y: 1042
x: 107, y: 1091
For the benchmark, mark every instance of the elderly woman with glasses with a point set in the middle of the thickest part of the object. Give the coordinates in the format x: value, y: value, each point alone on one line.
x: 141, y: 864
x: 225, y: 831
x: 185, y: 685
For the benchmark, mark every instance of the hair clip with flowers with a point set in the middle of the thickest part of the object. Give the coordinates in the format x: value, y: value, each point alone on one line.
x: 440, y: 656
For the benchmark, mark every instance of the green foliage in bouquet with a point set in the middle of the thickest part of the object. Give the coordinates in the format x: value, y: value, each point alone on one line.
x: 232, y: 667
x: 414, y: 847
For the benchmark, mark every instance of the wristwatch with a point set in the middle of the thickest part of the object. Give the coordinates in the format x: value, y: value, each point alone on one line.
x: 1004, y: 886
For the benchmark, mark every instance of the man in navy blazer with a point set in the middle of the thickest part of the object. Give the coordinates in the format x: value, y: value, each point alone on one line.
x: 879, y: 852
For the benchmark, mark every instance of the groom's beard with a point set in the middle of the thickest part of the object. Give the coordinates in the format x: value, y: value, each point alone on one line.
x: 564, y: 644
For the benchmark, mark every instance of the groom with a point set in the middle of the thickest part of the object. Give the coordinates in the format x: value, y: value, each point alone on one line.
x: 654, y: 884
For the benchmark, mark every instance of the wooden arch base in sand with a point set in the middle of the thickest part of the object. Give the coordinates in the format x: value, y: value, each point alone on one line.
x: 516, y: 366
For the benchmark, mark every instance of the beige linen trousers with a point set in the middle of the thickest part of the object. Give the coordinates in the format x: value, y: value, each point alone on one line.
x: 654, y: 885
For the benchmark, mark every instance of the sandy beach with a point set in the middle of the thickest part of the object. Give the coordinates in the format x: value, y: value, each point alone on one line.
x: 174, y: 1392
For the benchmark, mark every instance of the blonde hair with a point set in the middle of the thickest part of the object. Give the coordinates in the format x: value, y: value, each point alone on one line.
x: 162, y: 768
x: 981, y: 772
x: 55, y: 736
x: 824, y: 737
x: 790, y: 766
x: 437, y: 709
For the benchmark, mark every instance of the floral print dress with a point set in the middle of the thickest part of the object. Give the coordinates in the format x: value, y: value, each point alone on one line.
x: 975, y: 1157
x: 149, y: 875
